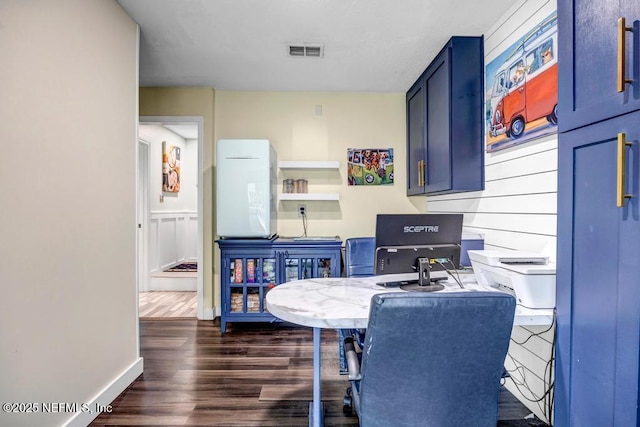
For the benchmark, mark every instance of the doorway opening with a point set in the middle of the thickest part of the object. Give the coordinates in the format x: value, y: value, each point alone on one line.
x: 170, y: 216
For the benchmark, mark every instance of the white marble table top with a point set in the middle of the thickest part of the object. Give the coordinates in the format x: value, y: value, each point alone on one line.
x: 343, y: 302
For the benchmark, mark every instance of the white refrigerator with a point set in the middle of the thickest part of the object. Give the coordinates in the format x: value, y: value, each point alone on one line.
x: 245, y: 188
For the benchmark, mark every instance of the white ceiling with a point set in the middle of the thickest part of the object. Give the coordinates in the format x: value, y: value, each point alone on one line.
x: 186, y: 130
x: 369, y: 45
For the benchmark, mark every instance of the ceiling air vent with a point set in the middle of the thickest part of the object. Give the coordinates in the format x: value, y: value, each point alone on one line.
x: 314, y: 51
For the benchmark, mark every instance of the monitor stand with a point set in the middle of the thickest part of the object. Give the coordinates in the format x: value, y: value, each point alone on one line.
x: 425, y: 282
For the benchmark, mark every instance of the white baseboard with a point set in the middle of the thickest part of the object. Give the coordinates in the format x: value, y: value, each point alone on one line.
x: 107, y: 395
x: 208, y: 314
x: 176, y: 284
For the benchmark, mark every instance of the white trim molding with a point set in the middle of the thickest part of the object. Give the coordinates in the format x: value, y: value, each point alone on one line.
x: 104, y: 398
x: 199, y: 121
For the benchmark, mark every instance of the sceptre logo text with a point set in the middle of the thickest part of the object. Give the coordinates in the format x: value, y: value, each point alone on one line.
x: 421, y: 228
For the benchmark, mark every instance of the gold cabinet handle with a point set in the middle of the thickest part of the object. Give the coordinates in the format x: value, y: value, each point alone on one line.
x: 622, y: 80
x: 622, y: 147
x: 420, y: 173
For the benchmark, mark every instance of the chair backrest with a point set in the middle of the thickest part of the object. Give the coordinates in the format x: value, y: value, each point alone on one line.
x: 434, y: 359
x: 359, y: 254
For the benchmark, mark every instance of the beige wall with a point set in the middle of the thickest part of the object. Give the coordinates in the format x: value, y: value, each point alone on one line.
x: 297, y: 132
x: 67, y: 218
x: 321, y: 126
x: 192, y: 101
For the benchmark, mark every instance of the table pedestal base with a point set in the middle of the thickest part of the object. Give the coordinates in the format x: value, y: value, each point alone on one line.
x: 313, y: 421
x: 316, y: 418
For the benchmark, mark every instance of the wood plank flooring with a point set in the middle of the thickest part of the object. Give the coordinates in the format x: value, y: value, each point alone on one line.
x: 168, y: 304
x: 254, y: 375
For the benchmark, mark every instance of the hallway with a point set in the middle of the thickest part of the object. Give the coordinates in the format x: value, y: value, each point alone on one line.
x: 160, y: 304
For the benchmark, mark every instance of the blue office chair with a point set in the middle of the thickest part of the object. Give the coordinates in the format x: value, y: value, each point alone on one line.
x: 359, y: 254
x: 431, y: 359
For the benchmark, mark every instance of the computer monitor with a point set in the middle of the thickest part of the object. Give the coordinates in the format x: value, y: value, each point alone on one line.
x: 418, y: 243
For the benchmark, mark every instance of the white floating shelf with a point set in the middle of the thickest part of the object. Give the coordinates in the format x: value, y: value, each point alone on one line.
x: 309, y: 196
x: 308, y: 165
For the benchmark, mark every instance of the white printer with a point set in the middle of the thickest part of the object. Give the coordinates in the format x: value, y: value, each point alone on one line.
x: 528, y: 276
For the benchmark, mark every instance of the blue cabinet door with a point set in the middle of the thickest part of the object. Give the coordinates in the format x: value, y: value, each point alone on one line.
x: 415, y: 138
x: 248, y: 270
x: 588, y: 61
x: 598, y: 277
x: 437, y: 171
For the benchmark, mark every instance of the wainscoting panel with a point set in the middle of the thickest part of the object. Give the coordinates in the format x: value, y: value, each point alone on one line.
x: 168, y: 242
x: 191, y: 248
x: 173, y: 238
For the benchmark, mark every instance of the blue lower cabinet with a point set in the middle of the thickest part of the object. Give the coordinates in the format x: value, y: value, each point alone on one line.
x: 250, y: 267
x: 598, y: 275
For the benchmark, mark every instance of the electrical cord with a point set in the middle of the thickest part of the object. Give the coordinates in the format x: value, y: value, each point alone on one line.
x: 453, y: 268
x: 551, y: 379
x: 521, y: 371
x: 522, y: 385
x: 526, y: 306
x: 544, y: 402
x: 457, y: 280
x: 537, y: 334
x: 304, y: 224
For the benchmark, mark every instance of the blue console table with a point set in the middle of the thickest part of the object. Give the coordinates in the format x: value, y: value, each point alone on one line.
x: 250, y: 267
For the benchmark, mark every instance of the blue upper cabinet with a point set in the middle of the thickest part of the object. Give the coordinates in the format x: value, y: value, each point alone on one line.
x: 597, y: 53
x: 445, y: 145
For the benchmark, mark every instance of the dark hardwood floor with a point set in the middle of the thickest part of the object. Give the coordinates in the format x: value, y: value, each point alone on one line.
x: 254, y: 375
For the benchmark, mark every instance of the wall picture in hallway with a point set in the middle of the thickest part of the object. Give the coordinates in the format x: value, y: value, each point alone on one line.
x: 170, y: 168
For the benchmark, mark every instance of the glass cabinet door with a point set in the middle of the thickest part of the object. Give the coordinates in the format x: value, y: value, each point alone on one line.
x: 269, y: 271
x: 237, y: 299
x: 253, y: 299
x: 236, y: 271
x: 291, y: 269
x: 305, y: 267
x: 324, y: 267
x: 249, y: 280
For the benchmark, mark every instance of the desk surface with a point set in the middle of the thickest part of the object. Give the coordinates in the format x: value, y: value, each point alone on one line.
x: 343, y: 303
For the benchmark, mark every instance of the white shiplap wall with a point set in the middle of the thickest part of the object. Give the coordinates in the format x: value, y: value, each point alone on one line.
x: 517, y: 211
